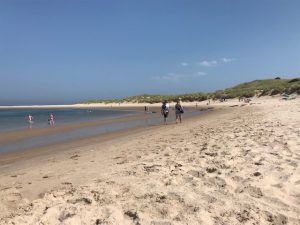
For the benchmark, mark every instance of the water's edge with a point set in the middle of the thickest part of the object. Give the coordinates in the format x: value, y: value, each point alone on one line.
x: 84, y: 132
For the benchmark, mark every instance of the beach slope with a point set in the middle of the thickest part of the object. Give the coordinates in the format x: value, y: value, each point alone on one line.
x: 236, y: 165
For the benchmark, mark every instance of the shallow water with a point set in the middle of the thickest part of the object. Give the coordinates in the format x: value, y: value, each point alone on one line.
x: 39, y: 141
x: 16, y: 119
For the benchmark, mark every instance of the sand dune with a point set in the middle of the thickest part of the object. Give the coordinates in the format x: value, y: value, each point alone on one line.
x: 236, y: 165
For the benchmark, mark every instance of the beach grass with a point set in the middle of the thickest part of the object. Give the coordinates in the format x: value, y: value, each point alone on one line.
x: 248, y: 89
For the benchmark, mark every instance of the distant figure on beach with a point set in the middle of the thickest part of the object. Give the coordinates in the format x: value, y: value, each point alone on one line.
x: 165, y: 111
x: 247, y: 100
x: 51, y: 120
x: 208, y: 101
x: 178, y: 111
x: 30, y: 120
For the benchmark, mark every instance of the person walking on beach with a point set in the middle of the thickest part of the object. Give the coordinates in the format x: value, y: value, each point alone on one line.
x: 178, y: 111
x: 165, y: 111
x: 30, y: 120
x: 51, y: 120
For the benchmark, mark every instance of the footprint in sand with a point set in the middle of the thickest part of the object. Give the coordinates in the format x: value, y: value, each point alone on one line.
x: 122, y: 162
x: 152, y: 168
x: 257, y: 174
x: 275, y: 219
x: 195, y: 173
x: 217, y: 181
x: 81, y: 200
x: 67, y: 183
x: 75, y: 157
x: 212, y: 154
x: 251, y: 190
x: 279, y: 185
x: 211, y: 169
x: 133, y: 215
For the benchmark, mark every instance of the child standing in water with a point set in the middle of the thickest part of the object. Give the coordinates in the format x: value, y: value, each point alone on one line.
x: 51, y: 120
x: 30, y: 120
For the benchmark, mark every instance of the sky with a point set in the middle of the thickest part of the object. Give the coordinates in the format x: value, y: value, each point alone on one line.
x: 65, y: 51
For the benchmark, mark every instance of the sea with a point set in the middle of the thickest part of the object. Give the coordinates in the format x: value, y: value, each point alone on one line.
x: 16, y: 119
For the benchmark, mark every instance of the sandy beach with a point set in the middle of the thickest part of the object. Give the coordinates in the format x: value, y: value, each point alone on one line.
x: 238, y: 164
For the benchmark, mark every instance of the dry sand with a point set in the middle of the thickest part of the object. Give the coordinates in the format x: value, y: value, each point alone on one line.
x: 236, y: 165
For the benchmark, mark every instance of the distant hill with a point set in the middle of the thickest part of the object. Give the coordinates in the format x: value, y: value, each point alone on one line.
x: 248, y: 89
x: 263, y: 87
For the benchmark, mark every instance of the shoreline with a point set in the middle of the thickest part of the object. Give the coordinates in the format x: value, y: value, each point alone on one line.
x: 21, y: 134
x: 11, y: 137
x: 93, y: 139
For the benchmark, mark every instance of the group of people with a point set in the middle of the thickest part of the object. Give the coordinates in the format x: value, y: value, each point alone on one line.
x: 165, y: 109
x: 178, y: 111
x: 51, y: 120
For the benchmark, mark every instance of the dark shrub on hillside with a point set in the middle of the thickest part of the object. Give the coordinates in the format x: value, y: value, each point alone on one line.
x: 275, y: 92
x: 293, y: 80
x: 216, y: 96
x: 263, y: 92
x: 277, y: 78
x: 294, y: 89
x: 249, y: 94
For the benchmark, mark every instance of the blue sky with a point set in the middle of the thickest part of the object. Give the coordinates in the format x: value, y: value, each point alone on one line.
x: 57, y: 51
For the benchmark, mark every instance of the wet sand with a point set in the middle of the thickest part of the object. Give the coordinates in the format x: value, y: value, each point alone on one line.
x: 38, y: 137
x: 23, y: 154
x: 13, y: 136
x: 238, y: 164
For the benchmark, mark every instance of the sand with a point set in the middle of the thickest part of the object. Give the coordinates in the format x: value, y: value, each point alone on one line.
x: 236, y: 165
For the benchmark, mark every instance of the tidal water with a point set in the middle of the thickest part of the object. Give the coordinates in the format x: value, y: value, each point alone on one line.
x: 16, y: 119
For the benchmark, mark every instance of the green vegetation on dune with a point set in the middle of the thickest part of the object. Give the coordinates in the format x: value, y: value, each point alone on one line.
x: 248, y: 89
x: 160, y: 98
x: 263, y: 87
x: 153, y: 98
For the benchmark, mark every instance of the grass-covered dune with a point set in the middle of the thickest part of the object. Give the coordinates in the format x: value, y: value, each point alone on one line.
x: 262, y: 87
x: 248, y: 89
